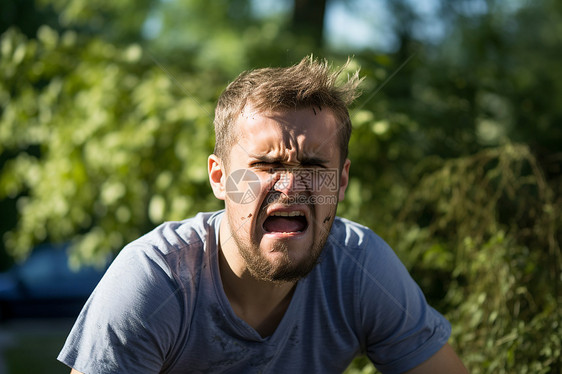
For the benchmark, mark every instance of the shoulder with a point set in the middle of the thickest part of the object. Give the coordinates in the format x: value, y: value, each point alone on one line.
x: 396, y: 325
x: 361, y: 262
x: 174, y: 236
x: 138, y: 315
x: 353, y: 240
x: 176, y: 246
x: 378, y: 277
x: 167, y: 261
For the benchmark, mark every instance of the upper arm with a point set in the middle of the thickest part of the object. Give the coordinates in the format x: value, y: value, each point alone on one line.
x: 444, y: 361
x: 130, y: 322
x: 74, y: 371
x: 401, y: 329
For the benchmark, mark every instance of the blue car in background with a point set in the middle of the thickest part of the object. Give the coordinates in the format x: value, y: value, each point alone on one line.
x: 45, y: 285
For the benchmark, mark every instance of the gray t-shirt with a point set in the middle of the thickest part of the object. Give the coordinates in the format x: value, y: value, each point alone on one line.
x: 161, y: 308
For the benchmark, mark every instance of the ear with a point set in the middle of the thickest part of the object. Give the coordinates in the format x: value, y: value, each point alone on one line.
x: 344, y: 179
x: 216, y: 176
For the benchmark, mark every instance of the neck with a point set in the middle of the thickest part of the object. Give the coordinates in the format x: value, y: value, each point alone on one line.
x: 245, y: 289
x: 259, y: 303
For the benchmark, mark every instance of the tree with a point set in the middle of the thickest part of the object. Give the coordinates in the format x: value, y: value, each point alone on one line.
x: 308, y: 20
x: 104, y: 152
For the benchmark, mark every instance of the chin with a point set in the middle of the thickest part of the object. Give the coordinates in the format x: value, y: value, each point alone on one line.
x: 284, y: 264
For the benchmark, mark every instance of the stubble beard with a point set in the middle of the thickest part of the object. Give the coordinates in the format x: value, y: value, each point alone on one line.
x: 283, y: 269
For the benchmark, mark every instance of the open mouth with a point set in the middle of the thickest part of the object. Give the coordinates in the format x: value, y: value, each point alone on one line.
x: 285, y: 222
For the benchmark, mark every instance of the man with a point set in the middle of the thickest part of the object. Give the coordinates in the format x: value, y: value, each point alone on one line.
x: 275, y: 283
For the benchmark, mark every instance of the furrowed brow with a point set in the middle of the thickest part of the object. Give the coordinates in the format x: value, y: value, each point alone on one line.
x: 267, y: 159
x: 310, y: 160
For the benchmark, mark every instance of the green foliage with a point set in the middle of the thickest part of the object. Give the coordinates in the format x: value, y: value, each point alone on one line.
x: 361, y: 365
x: 117, y: 20
x: 106, y: 144
x: 230, y: 38
x: 482, y: 234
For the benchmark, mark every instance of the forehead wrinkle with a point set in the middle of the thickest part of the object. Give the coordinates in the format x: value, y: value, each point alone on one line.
x: 274, y: 156
x: 299, y: 148
x: 284, y: 137
x: 291, y: 143
x: 283, y: 143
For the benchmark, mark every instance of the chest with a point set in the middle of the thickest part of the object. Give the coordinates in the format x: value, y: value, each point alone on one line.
x: 316, y: 334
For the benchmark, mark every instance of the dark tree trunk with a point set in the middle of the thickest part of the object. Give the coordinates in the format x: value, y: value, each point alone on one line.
x: 308, y: 19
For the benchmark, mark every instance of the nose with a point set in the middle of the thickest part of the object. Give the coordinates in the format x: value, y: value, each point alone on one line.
x: 284, y: 181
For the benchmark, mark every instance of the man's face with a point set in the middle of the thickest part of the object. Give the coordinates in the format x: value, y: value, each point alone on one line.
x: 283, y: 182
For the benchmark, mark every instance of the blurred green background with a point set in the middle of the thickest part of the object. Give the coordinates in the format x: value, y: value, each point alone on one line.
x: 106, y: 110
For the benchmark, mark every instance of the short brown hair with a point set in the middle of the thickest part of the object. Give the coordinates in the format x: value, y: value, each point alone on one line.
x: 310, y: 83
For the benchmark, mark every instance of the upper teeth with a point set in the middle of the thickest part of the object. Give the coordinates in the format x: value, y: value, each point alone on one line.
x: 287, y: 214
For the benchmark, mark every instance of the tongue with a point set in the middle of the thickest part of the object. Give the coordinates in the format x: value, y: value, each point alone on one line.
x: 284, y: 224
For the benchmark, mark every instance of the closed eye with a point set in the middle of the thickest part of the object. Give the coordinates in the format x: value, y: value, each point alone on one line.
x: 268, y: 166
x: 313, y: 165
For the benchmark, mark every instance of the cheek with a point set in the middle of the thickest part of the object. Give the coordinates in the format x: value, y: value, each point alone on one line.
x: 326, y: 214
x: 240, y: 216
x: 246, y: 218
x: 267, y: 183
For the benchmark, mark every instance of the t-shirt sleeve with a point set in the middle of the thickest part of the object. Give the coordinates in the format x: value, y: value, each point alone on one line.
x: 402, y: 329
x: 130, y: 322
